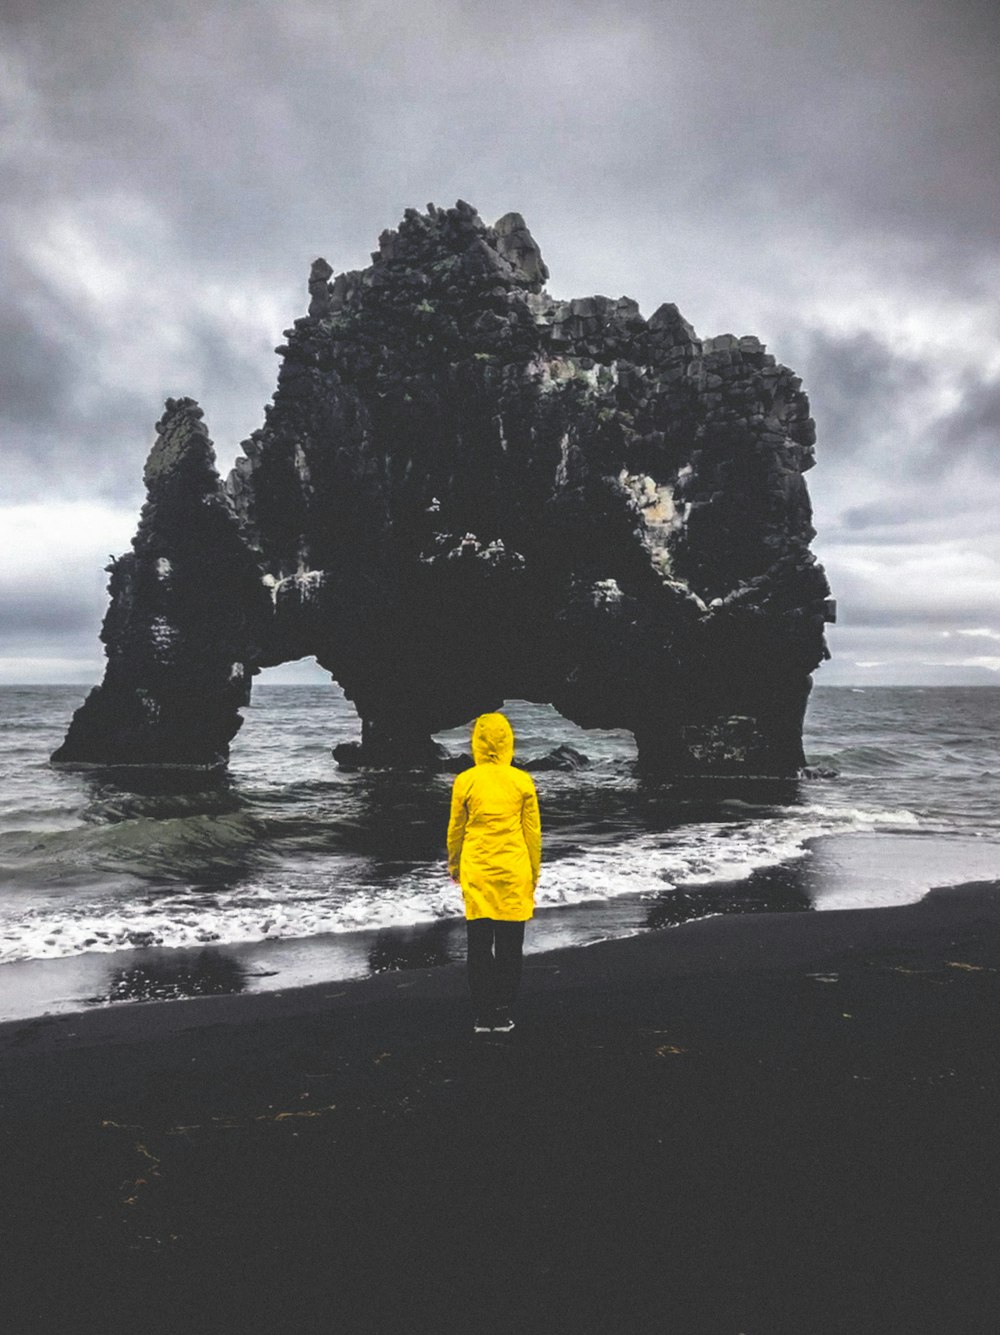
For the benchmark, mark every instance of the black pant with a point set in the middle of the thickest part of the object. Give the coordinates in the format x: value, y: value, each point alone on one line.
x: 494, y: 962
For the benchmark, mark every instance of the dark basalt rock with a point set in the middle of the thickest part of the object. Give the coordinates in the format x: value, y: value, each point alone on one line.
x: 466, y: 491
x: 188, y: 614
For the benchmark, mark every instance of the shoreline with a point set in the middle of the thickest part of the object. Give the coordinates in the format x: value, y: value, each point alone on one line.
x: 777, y: 1123
x: 718, y: 943
x: 870, y: 868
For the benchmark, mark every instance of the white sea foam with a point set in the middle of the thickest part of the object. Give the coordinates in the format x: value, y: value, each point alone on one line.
x: 307, y: 899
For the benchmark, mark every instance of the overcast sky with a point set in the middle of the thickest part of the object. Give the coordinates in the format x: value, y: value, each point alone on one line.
x: 823, y: 175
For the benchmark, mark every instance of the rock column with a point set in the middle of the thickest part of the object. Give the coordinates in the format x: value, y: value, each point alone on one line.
x: 188, y: 613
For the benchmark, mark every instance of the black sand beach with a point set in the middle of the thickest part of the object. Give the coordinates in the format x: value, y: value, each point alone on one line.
x: 764, y: 1124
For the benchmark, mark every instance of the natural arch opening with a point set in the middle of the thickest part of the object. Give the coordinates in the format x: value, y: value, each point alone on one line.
x: 541, y: 733
x: 295, y: 711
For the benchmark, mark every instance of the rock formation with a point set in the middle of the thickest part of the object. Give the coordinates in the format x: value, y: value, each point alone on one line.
x: 187, y: 609
x: 467, y: 491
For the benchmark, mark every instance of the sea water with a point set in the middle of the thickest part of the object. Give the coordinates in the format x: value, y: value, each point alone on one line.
x: 287, y: 869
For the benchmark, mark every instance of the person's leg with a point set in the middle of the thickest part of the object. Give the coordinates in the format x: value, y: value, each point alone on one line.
x: 509, y: 941
x: 481, y: 965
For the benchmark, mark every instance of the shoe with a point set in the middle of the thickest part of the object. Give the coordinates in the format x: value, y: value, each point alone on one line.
x: 502, y: 1023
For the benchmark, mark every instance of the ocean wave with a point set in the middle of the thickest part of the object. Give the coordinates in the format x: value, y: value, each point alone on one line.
x: 865, y: 760
x: 173, y: 849
x: 308, y: 899
x: 926, y: 758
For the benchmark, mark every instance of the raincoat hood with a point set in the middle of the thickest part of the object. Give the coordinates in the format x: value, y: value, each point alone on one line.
x: 492, y: 740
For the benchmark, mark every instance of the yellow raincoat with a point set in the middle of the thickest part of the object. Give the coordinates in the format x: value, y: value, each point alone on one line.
x: 495, y: 834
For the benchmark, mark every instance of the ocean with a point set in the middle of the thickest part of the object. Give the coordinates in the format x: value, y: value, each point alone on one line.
x: 286, y: 870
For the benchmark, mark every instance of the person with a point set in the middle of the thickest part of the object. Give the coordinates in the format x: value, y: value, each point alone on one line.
x: 495, y: 853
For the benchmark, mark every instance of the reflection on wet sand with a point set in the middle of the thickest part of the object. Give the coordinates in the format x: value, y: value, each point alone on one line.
x: 202, y: 974
x: 769, y: 890
x: 417, y: 947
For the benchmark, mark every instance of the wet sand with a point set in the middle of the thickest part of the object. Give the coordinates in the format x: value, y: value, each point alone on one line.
x: 780, y: 1122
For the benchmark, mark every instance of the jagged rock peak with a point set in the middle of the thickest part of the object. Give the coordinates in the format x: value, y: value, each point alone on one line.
x: 520, y: 249
x: 668, y: 319
x: 182, y: 447
x: 444, y: 246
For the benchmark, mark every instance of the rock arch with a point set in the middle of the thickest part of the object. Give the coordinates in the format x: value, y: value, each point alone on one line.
x: 464, y: 491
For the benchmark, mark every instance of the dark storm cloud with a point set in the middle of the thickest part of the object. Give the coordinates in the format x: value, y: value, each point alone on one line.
x: 172, y: 169
x: 261, y: 133
x: 856, y: 384
x: 863, y: 124
x: 71, y: 421
x: 42, y: 347
x: 33, y: 373
x: 254, y: 126
x: 56, y: 427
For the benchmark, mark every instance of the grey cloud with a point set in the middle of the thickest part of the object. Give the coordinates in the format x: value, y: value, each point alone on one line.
x: 974, y: 427
x: 877, y: 526
x: 70, y: 427
x: 265, y: 133
x: 42, y: 347
x: 233, y: 377
x: 249, y: 121
x: 36, y: 611
x: 223, y: 361
x: 60, y: 433
x: 861, y: 612
x: 906, y: 514
x: 877, y: 514
x: 47, y: 604
x: 34, y: 367
x: 856, y: 383
x: 866, y: 122
x: 714, y: 155
x: 71, y: 453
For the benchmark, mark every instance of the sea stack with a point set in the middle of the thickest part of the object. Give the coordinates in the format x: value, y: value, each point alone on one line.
x: 187, y: 617
x: 467, y: 491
